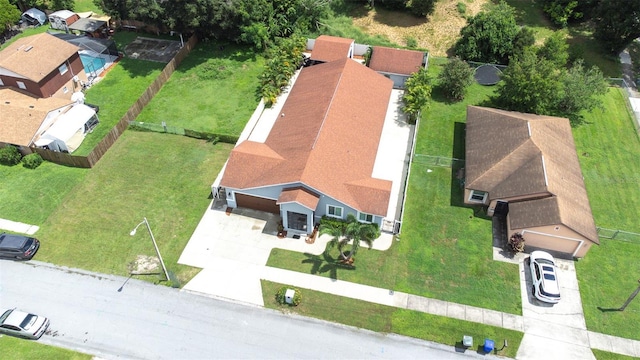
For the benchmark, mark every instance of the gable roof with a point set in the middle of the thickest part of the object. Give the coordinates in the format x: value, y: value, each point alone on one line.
x: 329, y: 48
x: 36, y: 56
x: 326, y: 137
x: 23, y: 114
x: 511, y: 154
x: 299, y: 195
x: 396, y: 61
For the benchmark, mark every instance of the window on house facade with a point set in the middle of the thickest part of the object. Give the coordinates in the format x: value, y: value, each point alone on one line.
x: 334, y: 211
x: 63, y: 69
x: 365, y: 217
x: 478, y: 196
x: 21, y: 85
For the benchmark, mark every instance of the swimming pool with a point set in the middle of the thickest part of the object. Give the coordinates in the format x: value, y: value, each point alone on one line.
x: 92, y: 65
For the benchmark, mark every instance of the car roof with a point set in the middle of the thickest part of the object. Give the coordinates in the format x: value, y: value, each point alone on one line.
x: 9, y: 241
x: 15, y: 318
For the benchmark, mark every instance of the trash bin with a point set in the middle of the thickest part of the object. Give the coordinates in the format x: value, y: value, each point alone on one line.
x: 467, y: 341
x: 488, y: 346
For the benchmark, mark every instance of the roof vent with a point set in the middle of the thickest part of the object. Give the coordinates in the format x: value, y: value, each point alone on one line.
x: 28, y: 48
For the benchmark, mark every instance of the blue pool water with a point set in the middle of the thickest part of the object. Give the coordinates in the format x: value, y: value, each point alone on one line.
x: 92, y: 65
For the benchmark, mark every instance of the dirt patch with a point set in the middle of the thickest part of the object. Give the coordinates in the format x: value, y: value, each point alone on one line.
x: 144, y: 265
x: 437, y: 33
x: 159, y: 50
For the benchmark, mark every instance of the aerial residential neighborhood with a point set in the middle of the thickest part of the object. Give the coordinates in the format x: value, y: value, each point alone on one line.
x: 411, y: 179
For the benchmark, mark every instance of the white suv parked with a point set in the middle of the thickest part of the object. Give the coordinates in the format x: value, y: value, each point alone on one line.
x: 545, y: 280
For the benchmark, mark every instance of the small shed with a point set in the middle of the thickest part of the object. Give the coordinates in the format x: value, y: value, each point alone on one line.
x: 61, y: 19
x: 34, y: 16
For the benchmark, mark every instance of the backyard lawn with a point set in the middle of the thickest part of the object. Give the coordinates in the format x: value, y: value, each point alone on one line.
x: 213, y: 90
x: 386, y: 319
x: 165, y: 178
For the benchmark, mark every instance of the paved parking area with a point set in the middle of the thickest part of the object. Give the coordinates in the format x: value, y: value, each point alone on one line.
x: 555, y: 331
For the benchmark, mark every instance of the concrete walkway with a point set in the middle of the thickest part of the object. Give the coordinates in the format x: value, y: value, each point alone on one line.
x: 233, y: 248
x: 18, y: 227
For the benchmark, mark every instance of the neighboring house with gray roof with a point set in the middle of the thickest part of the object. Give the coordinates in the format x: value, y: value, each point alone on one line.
x: 319, y: 156
x: 43, y: 65
x: 525, y: 167
x: 397, y: 64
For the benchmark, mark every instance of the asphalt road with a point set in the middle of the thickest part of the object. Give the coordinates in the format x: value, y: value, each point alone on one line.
x: 146, y: 321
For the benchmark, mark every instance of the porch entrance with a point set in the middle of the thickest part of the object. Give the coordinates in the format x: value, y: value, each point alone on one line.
x: 296, y: 221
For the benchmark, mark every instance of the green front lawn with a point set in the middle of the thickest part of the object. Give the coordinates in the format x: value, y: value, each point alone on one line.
x: 29, y: 196
x: 19, y: 349
x: 213, y: 90
x: 165, y: 178
x: 386, y: 319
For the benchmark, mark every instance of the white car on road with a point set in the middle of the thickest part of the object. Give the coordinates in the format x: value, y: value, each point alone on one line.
x: 17, y: 323
x: 545, y: 280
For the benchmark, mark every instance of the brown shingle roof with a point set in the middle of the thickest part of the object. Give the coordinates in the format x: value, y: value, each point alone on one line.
x: 299, y: 195
x: 329, y: 48
x: 395, y: 61
x: 45, y: 54
x: 326, y: 137
x: 22, y: 115
x: 510, y: 154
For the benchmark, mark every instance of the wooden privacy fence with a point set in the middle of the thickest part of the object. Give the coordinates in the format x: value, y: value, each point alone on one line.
x: 103, y: 146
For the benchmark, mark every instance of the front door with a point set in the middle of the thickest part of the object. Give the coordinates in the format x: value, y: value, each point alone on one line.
x: 296, y: 221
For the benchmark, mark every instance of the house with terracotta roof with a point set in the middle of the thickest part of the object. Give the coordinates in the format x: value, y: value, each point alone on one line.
x: 318, y: 157
x: 525, y: 167
x: 51, y: 123
x: 327, y: 48
x: 397, y: 64
x: 43, y: 65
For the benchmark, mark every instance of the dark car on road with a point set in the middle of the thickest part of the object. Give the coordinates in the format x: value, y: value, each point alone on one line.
x: 18, y: 247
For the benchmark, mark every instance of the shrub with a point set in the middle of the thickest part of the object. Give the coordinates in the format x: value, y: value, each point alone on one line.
x: 281, y: 299
x: 411, y: 42
x: 516, y: 243
x: 9, y: 155
x: 462, y: 8
x: 32, y: 161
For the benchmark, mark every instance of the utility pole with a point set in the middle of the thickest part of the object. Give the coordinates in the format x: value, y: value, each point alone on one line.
x: 630, y: 298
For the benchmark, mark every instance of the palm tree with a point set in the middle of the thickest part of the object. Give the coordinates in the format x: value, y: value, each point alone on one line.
x: 352, y: 230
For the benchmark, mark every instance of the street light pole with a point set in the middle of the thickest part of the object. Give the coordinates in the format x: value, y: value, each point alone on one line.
x: 133, y: 232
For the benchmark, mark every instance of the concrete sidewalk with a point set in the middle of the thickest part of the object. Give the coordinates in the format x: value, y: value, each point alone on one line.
x: 18, y: 227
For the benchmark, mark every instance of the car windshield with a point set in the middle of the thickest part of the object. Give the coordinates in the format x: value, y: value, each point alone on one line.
x: 28, y: 321
x: 547, y: 268
x: 5, y: 316
x: 545, y: 261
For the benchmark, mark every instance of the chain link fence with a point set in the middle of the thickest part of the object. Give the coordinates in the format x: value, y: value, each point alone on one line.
x: 619, y: 235
x: 434, y: 160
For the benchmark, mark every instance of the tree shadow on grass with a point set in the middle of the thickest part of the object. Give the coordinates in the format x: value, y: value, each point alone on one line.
x: 324, y: 263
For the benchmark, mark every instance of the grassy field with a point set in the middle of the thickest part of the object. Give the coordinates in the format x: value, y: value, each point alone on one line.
x: 86, y: 5
x: 165, y: 178
x: 30, y: 196
x: 20, y: 349
x: 387, y: 319
x: 213, y: 90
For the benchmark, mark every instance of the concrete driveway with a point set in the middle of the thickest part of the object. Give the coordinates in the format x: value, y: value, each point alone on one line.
x: 232, y: 248
x: 554, y: 331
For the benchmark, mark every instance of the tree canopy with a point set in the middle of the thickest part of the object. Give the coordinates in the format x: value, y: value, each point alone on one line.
x: 417, y: 94
x: 455, y: 79
x: 539, y: 82
x: 617, y: 23
x: 9, y: 15
x: 489, y: 36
